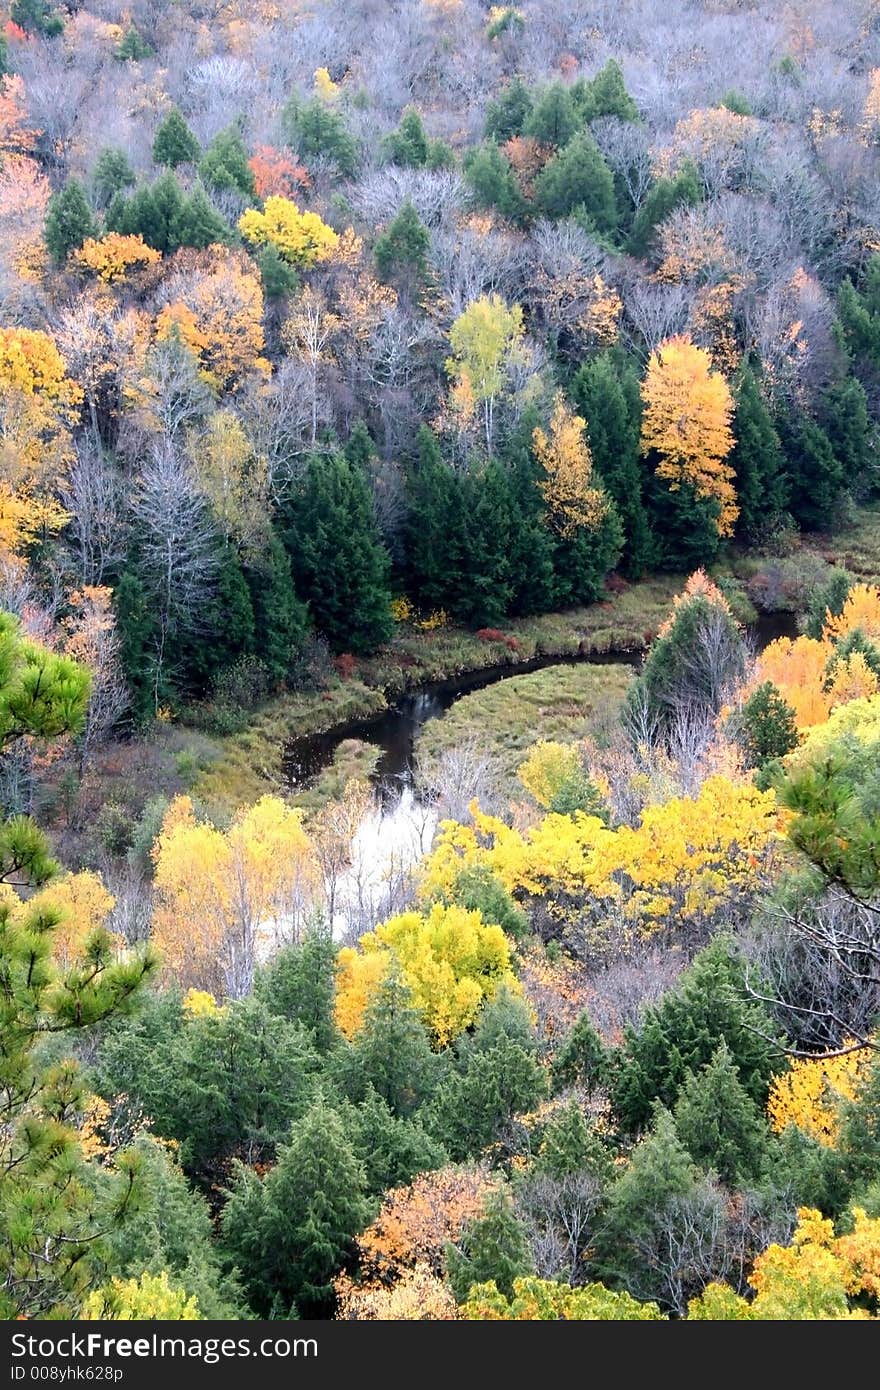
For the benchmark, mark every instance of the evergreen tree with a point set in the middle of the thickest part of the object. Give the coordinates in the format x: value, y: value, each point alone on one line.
x: 174, y: 142
x: 684, y: 526
x: 408, y: 144
x: 37, y: 17
x: 393, y: 1149
x: 578, y: 178
x: 133, y: 48
x: 472, y: 1108
x: 227, y: 629
x: 845, y: 418
x: 582, y: 561
x: 492, y: 1246
x: 484, y: 598
x: 492, y: 181
x: 136, y: 626
x: 664, y: 197
x: 720, y: 1125
x: 606, y: 95
x: 224, y: 165
x: 111, y: 175
x: 391, y: 1054
x: 827, y: 598
x: 693, y: 663
x: 479, y: 890
x: 281, y: 621
x: 756, y: 460
x: 299, y: 984
x: 339, y: 563
x: 153, y: 211
x: 860, y: 1133
x: 553, y: 119
x: 507, y: 114
x: 815, y: 476
x: 435, y: 543
x: 290, y: 1233
x: 681, y: 1033
x: 531, y: 545
x: 69, y: 221
x: 570, y: 1146
x: 279, y: 278
x: 317, y: 132
x: 859, y: 317
x: 402, y: 249
x: 4, y: 56
x: 613, y: 417
x: 582, y: 1060
x: 765, y: 727
x: 198, y: 224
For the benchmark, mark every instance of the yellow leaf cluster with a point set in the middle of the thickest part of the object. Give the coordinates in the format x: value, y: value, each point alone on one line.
x: 234, y: 478
x: 853, y: 679
x: 215, y: 300
x: 572, y: 501
x: 861, y: 610
x: 417, y: 1296
x: 796, y: 666
x: 217, y: 890
x: 690, y: 856
x: 302, y: 238
x: 149, y: 1298
x: 114, y: 256
x: 809, y: 1093
x: 449, y: 958
x: 547, y: 768
x: 481, y: 339
x: 686, y: 422
x: 415, y: 1223
x: 84, y: 904
x: 325, y: 87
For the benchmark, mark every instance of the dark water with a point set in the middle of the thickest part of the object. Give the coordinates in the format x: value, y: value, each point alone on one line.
x: 396, y: 729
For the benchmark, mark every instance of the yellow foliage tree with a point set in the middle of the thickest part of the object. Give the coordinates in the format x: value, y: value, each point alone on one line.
x: 860, y: 610
x: 483, y: 339
x: 852, y: 679
x: 572, y: 500
x: 214, y: 300
x: 84, y: 904
x: 220, y: 893
x: 234, y: 478
x: 809, y: 1093
x: 150, y: 1298
x: 38, y: 406
x: 686, y: 423
x: 325, y: 87
x: 796, y: 666
x: 449, y: 958
x: 302, y: 238
x: 543, y: 1300
x: 113, y: 257
x: 417, y: 1296
x: 547, y: 768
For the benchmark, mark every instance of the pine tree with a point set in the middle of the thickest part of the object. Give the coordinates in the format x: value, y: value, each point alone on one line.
x: 435, y: 534
x: 36, y: 17
x: 720, y: 1125
x: 860, y: 1132
x: 111, y: 175
x: 408, y: 144
x: 224, y: 165
x: 582, y: 1060
x: 316, y: 132
x: 472, y: 1107
x: 493, y: 1246
x: 571, y: 1146
x: 153, y: 212
x: 765, y: 727
x: 681, y: 1033
x: 290, y: 1233
x: 198, y: 224
x: 484, y: 598
x: 299, y: 984
x: 844, y: 411
x: 531, y: 545
x: 613, y: 416
x: 859, y: 317
x: 578, y: 178
x: 174, y: 142
x: 756, y: 460
x: 815, y: 477
x: 281, y: 620
x: 606, y: 95
x: 402, y: 249
x: 339, y: 563
x: 391, y: 1053
x: 69, y: 221
x: 553, y: 119
x: 582, y: 561
x: 226, y: 630
x: 278, y: 276
x: 507, y: 114
x: 663, y: 198
x: 132, y: 47
x: 492, y: 181
x: 684, y: 526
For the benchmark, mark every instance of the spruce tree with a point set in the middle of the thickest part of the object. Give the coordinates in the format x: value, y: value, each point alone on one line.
x: 815, y: 476
x: 69, y: 221
x: 492, y: 1246
x: 153, y: 211
x: 198, y: 224
x: 553, y: 119
x: 300, y: 983
x: 318, y: 132
x: 37, y: 17
x: 582, y: 1060
x: 132, y: 47
x: 606, y: 95
x: 860, y: 1132
x: 408, y: 144
x: 507, y: 114
x: 392, y: 1149
x: 174, y: 142
x: 844, y: 412
x: 278, y: 277
x: 681, y: 1033
x: 391, y: 1053
x: 756, y: 460
x: 578, y: 178
x: 484, y: 599
x: 531, y: 545
x: 290, y: 1233
x: 281, y: 620
x: 683, y: 525
x: 720, y: 1125
x: 613, y: 431
x: 492, y: 182
x: 435, y: 542
x: 224, y: 165
x: 111, y: 175
x: 339, y: 563
x: 402, y: 249
x: 226, y: 630
x: 472, y: 1108
x: 570, y: 1146
x: 582, y: 561
x: 664, y: 197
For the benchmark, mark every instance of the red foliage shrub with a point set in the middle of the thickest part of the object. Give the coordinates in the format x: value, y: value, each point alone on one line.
x: 346, y: 665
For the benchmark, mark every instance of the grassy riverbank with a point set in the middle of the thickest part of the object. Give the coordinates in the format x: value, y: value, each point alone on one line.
x: 502, y: 721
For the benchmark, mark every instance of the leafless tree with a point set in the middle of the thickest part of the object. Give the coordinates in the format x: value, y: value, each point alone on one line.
x: 178, y: 551
x: 560, y: 1218
x: 626, y: 147
x: 95, y: 498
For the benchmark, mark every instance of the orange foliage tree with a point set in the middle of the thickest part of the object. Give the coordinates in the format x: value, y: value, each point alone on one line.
x: 564, y: 454
x: 416, y: 1223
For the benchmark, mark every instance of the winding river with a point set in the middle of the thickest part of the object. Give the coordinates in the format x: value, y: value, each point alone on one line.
x: 395, y: 731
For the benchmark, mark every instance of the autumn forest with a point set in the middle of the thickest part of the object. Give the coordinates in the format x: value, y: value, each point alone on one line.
x: 440, y: 660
